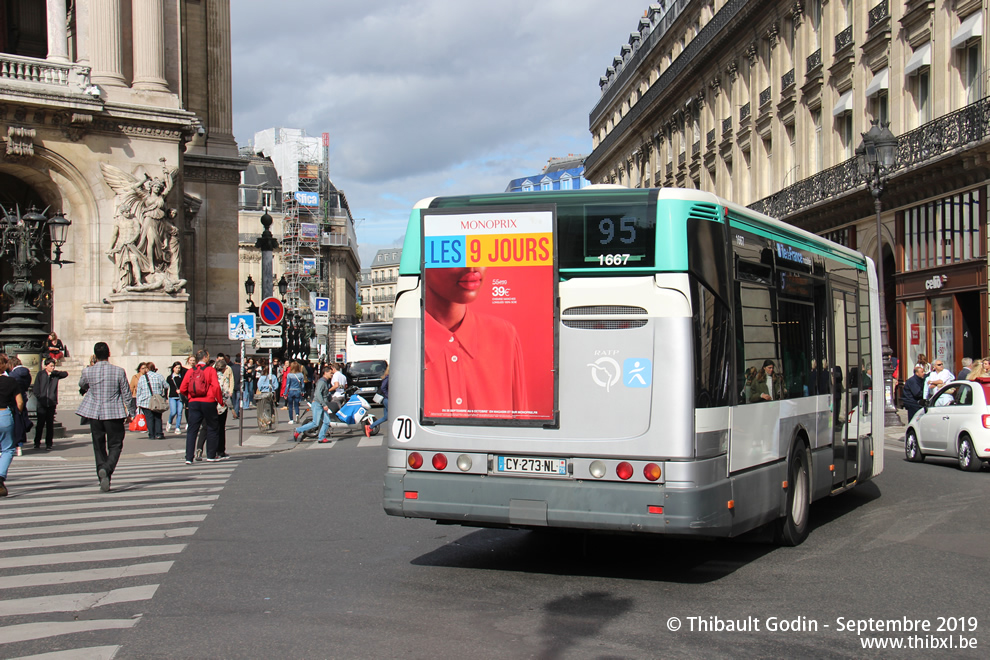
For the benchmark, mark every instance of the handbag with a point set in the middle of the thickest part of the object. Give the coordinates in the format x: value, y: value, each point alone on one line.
x: 139, y: 423
x: 157, y: 402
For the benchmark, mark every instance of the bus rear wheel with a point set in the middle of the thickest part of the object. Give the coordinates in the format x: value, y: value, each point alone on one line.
x: 792, y: 529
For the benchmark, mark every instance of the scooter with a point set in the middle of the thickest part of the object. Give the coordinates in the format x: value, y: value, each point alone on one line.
x: 353, y: 415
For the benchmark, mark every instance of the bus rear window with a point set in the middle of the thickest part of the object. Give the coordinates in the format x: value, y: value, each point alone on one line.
x: 372, y: 336
x: 595, y: 229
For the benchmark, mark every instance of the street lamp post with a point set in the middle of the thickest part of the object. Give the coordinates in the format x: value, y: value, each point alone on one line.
x: 22, y: 241
x: 249, y: 290
x: 876, y: 158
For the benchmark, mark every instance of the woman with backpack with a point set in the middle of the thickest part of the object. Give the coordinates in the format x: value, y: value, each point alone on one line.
x: 294, y: 385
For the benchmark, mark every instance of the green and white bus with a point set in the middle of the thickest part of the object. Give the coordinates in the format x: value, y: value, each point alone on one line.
x: 628, y: 360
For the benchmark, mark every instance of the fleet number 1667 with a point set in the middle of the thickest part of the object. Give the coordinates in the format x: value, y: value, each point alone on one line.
x: 612, y: 259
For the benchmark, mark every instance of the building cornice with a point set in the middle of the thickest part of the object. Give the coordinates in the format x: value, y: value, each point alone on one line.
x: 672, y: 82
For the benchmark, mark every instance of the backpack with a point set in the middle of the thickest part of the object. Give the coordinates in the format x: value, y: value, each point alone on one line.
x: 198, y: 385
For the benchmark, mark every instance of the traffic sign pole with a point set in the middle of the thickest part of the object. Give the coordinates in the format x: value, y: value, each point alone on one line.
x: 240, y: 418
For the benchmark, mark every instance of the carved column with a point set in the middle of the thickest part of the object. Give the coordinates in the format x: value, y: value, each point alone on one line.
x: 148, y: 26
x: 107, y: 56
x: 58, y: 47
x: 221, y: 119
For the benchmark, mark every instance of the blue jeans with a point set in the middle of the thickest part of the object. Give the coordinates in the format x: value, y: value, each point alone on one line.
x: 384, y: 413
x: 318, y: 417
x: 292, y: 401
x: 175, y: 410
x: 6, y: 441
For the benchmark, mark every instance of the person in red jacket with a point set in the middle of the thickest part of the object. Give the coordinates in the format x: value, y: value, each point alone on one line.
x: 202, y: 407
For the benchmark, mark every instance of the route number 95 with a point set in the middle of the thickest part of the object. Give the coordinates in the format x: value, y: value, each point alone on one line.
x: 613, y: 259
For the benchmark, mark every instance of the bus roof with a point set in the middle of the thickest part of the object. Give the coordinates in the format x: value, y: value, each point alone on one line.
x: 411, y: 246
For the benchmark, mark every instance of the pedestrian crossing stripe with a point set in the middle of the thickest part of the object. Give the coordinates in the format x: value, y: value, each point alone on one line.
x: 57, y: 530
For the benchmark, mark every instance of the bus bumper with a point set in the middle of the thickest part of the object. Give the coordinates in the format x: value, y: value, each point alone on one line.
x: 684, y: 508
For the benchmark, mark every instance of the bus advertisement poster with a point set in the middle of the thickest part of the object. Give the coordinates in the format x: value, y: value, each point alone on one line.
x: 489, y: 331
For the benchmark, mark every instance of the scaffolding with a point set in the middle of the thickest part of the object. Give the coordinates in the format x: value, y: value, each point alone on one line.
x: 302, y: 228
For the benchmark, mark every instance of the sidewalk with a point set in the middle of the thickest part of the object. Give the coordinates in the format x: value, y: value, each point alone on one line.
x: 893, y: 436
x: 78, y: 444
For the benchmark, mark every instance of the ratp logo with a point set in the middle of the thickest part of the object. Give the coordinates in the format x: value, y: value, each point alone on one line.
x: 605, y: 372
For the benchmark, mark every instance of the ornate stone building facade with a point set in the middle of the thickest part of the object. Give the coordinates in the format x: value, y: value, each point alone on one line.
x: 118, y: 114
x: 764, y: 102
x: 378, y: 286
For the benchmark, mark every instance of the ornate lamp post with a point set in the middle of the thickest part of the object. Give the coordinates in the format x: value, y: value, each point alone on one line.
x: 249, y: 290
x: 22, y: 241
x: 283, y: 287
x: 267, y: 244
x: 876, y: 158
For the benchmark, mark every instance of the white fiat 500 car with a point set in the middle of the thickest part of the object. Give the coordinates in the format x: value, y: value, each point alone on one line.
x: 955, y: 423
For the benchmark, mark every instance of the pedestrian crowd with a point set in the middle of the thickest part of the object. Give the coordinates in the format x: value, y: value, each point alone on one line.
x: 929, y: 378
x: 197, y: 395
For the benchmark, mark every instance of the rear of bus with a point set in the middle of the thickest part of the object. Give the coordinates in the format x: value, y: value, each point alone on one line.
x: 603, y: 345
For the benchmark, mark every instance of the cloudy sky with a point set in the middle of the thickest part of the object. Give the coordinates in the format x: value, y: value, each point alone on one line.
x: 425, y: 97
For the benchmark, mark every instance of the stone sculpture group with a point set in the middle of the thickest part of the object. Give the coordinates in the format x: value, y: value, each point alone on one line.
x: 144, y: 244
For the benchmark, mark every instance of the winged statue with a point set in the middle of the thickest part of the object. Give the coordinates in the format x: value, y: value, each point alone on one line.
x: 144, y: 243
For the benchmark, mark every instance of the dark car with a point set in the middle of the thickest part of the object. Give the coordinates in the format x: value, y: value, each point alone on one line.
x: 367, y: 376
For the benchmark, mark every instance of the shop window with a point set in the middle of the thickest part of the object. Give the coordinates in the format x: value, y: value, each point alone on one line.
x: 916, y: 331
x: 942, y: 330
x: 942, y: 232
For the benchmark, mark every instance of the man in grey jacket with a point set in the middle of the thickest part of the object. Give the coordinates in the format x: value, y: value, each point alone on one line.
x: 108, y: 406
x: 321, y: 408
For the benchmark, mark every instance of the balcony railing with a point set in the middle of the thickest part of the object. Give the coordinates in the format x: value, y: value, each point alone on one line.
x: 787, y: 80
x: 765, y: 97
x: 844, y: 39
x: 681, y: 159
x: 32, y: 70
x: 941, y: 136
x: 670, y: 169
x: 726, y: 125
x: 744, y: 112
x: 710, y: 136
x: 696, y: 149
x: 814, y: 61
x: 878, y: 13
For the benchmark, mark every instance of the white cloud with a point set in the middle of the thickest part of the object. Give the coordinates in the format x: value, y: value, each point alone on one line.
x: 425, y: 97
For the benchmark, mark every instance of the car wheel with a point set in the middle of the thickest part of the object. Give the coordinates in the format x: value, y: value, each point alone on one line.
x: 793, y: 528
x: 968, y: 460
x: 912, y: 450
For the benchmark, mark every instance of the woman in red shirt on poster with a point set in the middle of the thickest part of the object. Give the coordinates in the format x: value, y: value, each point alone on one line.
x: 473, y: 361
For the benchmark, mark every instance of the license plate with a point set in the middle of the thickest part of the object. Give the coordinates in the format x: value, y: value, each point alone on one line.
x: 555, y: 467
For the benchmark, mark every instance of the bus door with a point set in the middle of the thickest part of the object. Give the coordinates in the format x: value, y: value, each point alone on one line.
x: 845, y: 386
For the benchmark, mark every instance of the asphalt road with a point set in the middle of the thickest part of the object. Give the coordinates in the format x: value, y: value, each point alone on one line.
x: 296, y: 559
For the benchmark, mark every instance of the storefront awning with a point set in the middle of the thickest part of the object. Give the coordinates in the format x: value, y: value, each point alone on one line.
x: 844, y: 105
x: 880, y: 82
x: 971, y: 27
x: 922, y: 57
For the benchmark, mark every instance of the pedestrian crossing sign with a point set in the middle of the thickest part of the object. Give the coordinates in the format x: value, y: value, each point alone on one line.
x: 240, y: 327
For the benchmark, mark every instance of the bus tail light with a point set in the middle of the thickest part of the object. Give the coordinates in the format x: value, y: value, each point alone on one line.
x: 439, y: 461
x: 624, y: 470
x: 412, y: 495
x: 464, y: 462
x: 651, y: 471
x: 986, y: 421
x: 597, y: 469
x: 415, y: 460
x: 653, y: 508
